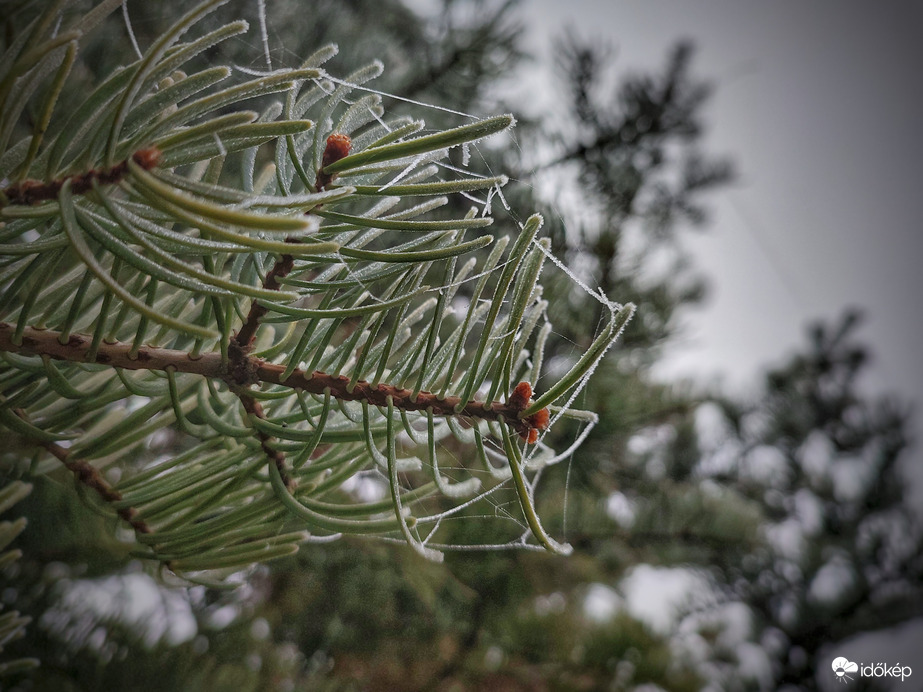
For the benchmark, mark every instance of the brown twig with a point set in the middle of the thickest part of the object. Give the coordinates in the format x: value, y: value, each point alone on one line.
x: 337, y: 147
x: 244, y: 338
x: 89, y: 475
x: 30, y: 192
x: 246, y: 370
x: 255, y: 409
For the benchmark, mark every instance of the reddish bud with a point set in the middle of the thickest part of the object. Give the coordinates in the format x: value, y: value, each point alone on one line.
x: 520, y: 397
x: 518, y: 401
x: 337, y: 147
x: 147, y: 158
x: 539, y: 420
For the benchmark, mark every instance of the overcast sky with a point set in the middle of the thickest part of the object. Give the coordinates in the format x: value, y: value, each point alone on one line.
x: 819, y: 104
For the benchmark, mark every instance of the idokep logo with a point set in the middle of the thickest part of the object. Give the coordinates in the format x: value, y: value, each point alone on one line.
x: 843, y: 667
x: 845, y: 670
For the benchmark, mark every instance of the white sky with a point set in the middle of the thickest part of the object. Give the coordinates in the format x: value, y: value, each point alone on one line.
x: 818, y: 105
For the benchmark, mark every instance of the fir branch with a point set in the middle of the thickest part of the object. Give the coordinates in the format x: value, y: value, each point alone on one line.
x: 167, y: 226
x: 243, y: 370
x: 88, y: 475
x: 244, y: 338
x: 337, y: 147
x: 255, y: 409
x: 30, y: 192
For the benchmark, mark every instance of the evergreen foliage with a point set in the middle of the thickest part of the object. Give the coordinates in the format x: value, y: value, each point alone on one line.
x: 279, y: 292
x: 12, y: 623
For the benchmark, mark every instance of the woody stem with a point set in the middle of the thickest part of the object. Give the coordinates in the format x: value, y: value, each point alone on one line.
x: 245, y: 369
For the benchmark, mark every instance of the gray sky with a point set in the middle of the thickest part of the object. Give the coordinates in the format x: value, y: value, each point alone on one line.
x: 818, y: 103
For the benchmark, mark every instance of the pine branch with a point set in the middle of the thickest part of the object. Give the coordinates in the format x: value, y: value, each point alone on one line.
x: 243, y: 370
x: 12, y: 623
x: 30, y: 192
x: 89, y: 476
x: 337, y: 147
x: 365, y: 292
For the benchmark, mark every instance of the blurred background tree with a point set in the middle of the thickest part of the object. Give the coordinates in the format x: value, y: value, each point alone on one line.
x: 787, y: 512
x: 843, y: 550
